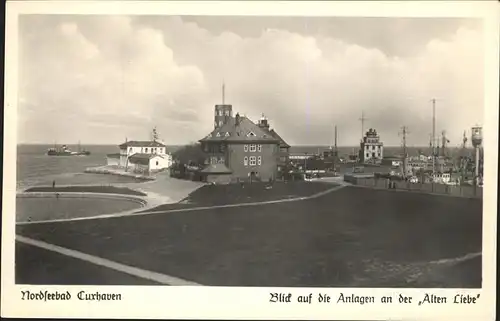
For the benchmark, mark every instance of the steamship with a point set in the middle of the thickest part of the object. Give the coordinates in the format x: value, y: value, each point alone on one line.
x: 65, y: 151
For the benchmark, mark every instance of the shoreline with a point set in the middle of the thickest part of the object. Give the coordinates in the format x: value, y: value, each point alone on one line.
x: 112, y: 170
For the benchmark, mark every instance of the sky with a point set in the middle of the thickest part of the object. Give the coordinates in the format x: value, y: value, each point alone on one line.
x: 103, y: 79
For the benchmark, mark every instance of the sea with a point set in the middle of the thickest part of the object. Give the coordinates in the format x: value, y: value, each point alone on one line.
x: 34, y: 167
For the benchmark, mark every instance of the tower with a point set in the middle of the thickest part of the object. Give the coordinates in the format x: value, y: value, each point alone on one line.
x: 223, y: 112
x: 477, y: 139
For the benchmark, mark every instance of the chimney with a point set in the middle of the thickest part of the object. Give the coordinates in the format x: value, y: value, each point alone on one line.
x: 237, y: 119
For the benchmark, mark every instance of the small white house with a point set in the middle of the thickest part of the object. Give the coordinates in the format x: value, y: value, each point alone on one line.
x: 141, y: 155
x: 140, y: 162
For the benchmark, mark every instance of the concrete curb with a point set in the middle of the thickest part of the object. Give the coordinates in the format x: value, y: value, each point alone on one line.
x: 136, y: 199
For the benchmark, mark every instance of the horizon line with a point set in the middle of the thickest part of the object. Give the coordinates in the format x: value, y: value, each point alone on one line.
x: 297, y: 145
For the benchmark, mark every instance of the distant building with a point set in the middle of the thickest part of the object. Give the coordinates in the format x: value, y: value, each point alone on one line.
x: 141, y: 156
x: 300, y: 156
x: 372, y: 149
x: 238, y: 149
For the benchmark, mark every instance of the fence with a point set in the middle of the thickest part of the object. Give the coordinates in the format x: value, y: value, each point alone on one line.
x: 454, y: 190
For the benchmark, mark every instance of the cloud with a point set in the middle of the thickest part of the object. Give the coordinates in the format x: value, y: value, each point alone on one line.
x: 134, y: 74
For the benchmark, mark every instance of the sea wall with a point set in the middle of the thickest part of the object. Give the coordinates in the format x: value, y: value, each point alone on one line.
x: 113, y: 170
x: 383, y: 183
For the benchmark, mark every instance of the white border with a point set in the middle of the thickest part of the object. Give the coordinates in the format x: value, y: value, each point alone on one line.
x: 251, y: 303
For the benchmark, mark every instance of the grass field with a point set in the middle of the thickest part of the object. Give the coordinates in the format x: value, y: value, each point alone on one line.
x: 215, y: 195
x: 353, y: 237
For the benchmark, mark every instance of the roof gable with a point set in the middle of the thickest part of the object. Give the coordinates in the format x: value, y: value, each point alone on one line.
x: 139, y: 143
x: 245, y: 130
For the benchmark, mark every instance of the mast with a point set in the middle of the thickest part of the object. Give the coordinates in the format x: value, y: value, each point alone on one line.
x: 155, y: 134
x: 335, y: 150
x: 405, y: 152
x: 223, y: 92
x: 363, y: 119
x: 433, y: 136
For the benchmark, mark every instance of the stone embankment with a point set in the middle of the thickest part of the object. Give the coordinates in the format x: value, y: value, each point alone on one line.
x: 113, y: 170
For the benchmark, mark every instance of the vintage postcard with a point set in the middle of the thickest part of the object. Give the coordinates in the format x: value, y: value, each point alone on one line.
x: 250, y: 160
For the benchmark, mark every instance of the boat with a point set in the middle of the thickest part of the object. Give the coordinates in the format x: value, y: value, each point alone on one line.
x: 65, y: 151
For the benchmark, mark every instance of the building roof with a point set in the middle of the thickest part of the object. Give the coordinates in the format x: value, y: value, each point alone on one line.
x: 140, y: 143
x: 278, y: 137
x: 141, y: 158
x: 245, y: 131
x: 115, y: 155
x: 216, y: 169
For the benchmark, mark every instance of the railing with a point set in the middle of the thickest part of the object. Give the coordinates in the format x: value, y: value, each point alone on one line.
x: 432, y: 188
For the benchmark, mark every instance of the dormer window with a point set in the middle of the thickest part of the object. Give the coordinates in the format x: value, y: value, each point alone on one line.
x: 218, y: 134
x: 227, y: 134
x: 251, y: 134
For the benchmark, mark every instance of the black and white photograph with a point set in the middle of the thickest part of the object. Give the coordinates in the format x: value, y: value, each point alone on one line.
x: 277, y: 151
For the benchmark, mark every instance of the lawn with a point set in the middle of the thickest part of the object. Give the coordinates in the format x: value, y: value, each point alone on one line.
x: 353, y: 237
x: 87, y: 189
x: 214, y: 195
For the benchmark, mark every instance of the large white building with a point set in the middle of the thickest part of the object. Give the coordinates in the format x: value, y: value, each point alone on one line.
x: 141, y: 156
x: 372, y: 149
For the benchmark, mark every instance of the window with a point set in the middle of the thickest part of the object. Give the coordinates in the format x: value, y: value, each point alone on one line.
x: 130, y: 150
x: 220, y: 123
x: 253, y: 148
x: 245, y: 161
x: 146, y: 150
x: 253, y: 161
x: 222, y: 148
x: 227, y: 112
x: 213, y: 160
x: 259, y: 148
x: 221, y: 160
x: 220, y: 112
x: 245, y: 148
x: 259, y: 160
x: 156, y: 163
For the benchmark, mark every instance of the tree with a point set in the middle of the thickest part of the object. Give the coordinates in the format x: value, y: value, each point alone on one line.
x: 191, y: 154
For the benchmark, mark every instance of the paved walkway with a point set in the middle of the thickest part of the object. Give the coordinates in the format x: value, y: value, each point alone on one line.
x: 141, y: 273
